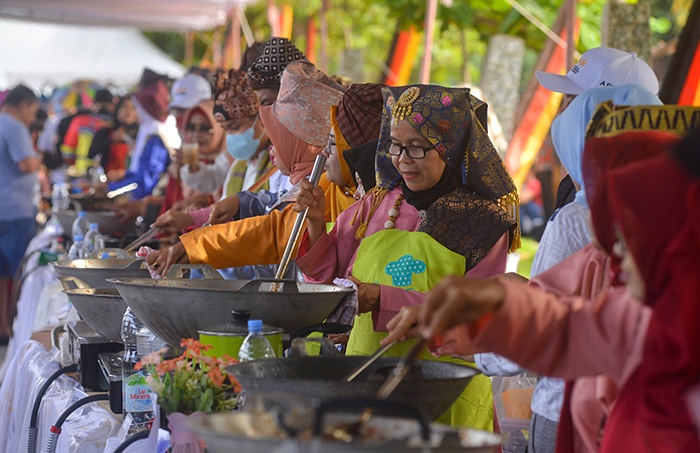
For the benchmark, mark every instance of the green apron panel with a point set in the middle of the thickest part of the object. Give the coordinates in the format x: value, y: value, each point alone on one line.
x: 416, y: 262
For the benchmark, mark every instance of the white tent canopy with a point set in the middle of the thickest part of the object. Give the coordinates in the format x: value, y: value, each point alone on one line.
x: 50, y: 55
x: 144, y: 14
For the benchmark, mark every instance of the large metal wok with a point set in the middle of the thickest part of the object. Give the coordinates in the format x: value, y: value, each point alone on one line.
x: 431, y: 386
x: 175, y: 307
x: 266, y: 431
x: 108, y: 223
x: 95, y: 272
x: 102, y: 308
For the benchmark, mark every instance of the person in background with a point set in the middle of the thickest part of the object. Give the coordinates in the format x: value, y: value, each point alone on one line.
x: 298, y: 130
x: 186, y: 93
x: 19, y: 163
x: 266, y: 72
x: 156, y: 137
x: 251, y: 54
x: 236, y: 111
x: 600, y: 66
x: 75, y: 147
x: 112, y: 145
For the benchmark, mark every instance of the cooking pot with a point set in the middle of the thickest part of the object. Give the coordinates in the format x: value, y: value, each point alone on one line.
x: 227, y: 338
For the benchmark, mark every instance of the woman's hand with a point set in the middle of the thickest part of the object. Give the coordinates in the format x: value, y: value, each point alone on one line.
x: 173, y: 221
x: 161, y: 260
x: 224, y: 210
x: 458, y: 300
x: 312, y: 197
x: 403, y: 326
x: 367, y: 295
x: 130, y: 209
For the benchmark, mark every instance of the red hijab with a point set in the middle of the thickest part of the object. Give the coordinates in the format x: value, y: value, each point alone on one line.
x: 655, y: 204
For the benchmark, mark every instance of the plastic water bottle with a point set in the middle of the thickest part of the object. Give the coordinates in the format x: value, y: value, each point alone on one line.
x: 77, y: 250
x: 60, y: 197
x: 94, y: 241
x: 81, y: 224
x: 255, y: 346
x: 138, y: 342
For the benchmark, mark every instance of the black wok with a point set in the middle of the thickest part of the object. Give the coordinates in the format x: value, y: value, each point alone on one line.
x: 431, y: 387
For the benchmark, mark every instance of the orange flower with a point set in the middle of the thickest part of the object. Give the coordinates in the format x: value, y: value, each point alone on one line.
x: 216, y: 376
x: 138, y: 366
x: 165, y: 367
x: 226, y: 360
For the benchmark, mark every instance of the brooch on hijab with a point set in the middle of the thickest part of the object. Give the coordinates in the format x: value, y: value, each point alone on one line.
x: 404, y: 105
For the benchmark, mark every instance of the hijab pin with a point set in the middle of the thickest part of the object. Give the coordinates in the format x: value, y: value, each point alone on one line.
x: 404, y: 105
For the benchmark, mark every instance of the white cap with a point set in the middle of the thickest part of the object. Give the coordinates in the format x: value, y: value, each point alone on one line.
x: 602, y: 66
x: 190, y: 91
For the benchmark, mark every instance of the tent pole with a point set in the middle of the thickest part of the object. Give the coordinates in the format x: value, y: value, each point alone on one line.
x: 570, y: 26
x: 323, y: 51
x: 431, y: 13
x: 216, y: 43
x: 235, y: 40
x: 189, y: 48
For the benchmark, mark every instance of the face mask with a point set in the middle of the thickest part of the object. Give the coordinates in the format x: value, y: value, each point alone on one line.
x: 242, y: 146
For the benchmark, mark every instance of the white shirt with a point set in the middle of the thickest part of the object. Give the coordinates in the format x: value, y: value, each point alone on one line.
x: 565, y: 234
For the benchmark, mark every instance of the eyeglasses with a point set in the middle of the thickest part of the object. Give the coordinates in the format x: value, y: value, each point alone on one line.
x: 414, y: 152
x: 192, y: 128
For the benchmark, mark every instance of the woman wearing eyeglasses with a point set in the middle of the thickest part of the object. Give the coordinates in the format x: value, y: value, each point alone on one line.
x: 441, y: 206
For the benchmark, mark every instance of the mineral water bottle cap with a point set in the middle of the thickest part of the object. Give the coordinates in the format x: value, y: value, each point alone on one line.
x: 82, y: 214
x: 78, y: 238
x: 255, y: 325
x: 94, y: 226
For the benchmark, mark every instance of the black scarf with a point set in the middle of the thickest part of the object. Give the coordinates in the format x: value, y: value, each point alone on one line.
x: 422, y: 200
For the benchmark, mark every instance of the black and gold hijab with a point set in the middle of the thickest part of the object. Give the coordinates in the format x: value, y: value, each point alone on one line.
x: 454, y: 121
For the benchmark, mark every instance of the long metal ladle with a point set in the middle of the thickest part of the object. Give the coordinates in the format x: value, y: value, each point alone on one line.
x: 301, y: 217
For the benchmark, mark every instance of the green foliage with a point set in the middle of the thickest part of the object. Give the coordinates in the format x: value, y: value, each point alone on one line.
x: 370, y: 24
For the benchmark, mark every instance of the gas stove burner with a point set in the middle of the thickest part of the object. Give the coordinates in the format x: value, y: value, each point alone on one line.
x: 84, y: 346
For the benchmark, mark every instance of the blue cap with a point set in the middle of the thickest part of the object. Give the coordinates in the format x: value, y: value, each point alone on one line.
x: 78, y: 238
x: 105, y: 255
x: 255, y: 325
x: 94, y: 226
x: 82, y: 213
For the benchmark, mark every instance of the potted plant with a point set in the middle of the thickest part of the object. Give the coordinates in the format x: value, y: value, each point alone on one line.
x: 190, y: 384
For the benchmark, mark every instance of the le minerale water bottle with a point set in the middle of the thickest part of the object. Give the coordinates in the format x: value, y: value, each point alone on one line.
x: 81, y: 224
x: 255, y: 346
x: 138, y: 342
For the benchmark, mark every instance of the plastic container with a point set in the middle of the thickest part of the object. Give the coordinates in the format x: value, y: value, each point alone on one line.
x: 60, y: 197
x: 81, y: 225
x: 77, y: 250
x: 255, y: 346
x: 137, y: 399
x: 94, y: 241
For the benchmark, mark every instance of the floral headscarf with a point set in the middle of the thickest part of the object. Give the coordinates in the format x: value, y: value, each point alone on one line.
x: 304, y: 100
x: 234, y: 97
